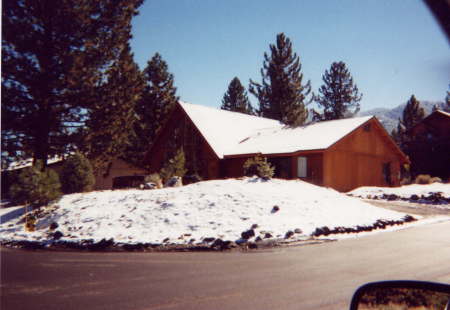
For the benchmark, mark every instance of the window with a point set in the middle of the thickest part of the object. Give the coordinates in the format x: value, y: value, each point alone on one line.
x: 387, y: 173
x: 301, y: 167
x: 367, y: 127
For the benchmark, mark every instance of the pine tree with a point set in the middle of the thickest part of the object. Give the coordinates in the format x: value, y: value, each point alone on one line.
x: 77, y: 174
x: 158, y: 99
x: 36, y: 186
x: 282, y: 94
x: 412, y: 114
x: 235, y: 99
x: 110, y: 124
x: 54, y: 55
x: 338, y: 95
x: 174, y: 166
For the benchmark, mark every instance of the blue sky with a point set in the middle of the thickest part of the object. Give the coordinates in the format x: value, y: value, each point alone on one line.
x: 393, y: 48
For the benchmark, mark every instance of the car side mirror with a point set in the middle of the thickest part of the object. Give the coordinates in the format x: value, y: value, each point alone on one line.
x: 400, y: 295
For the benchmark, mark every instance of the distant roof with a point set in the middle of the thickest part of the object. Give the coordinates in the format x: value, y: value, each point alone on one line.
x: 29, y: 162
x: 443, y: 112
x: 231, y: 133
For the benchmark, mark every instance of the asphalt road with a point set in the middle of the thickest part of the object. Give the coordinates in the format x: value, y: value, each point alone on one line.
x: 321, y: 276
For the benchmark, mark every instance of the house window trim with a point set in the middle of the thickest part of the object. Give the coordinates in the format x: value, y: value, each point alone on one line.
x: 303, y: 173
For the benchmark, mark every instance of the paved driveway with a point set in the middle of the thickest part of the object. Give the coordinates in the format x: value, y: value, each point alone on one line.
x: 321, y: 276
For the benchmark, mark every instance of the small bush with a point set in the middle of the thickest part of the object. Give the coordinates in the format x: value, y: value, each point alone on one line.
x: 154, y: 178
x: 174, y: 166
x: 35, y: 187
x: 427, y: 179
x: 435, y: 180
x: 423, y: 179
x: 77, y: 174
x: 259, y: 166
x: 405, y: 181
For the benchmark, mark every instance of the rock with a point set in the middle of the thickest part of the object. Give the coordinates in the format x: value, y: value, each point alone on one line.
x: 275, y: 209
x: 57, y: 235
x: 149, y: 185
x: 289, y: 234
x: 317, y: 232
x: 392, y: 197
x: 166, y: 240
x: 254, y: 226
x: 248, y: 234
x: 258, y: 239
x: 101, y: 245
x: 228, y: 245
x: 340, y: 230
x: 409, y: 218
x: 174, y: 181
x: 241, y: 241
x: 326, y: 231
x: 217, y: 244
x: 414, y: 197
x: 252, y: 245
x: 298, y: 231
x: 209, y: 239
x: 53, y: 226
x: 268, y: 235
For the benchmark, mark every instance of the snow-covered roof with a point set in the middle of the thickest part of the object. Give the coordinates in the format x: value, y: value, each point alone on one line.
x: 20, y: 164
x: 223, y: 130
x: 231, y: 133
x: 443, y: 112
x: 317, y: 136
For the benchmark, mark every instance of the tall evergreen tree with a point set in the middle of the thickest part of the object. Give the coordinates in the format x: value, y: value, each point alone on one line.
x: 235, y: 99
x: 110, y: 124
x: 54, y: 55
x: 338, y: 95
x: 282, y: 94
x: 412, y: 114
x: 158, y: 99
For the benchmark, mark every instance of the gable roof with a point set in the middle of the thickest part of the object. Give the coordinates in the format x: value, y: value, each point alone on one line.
x: 317, y: 136
x: 231, y: 133
x: 438, y: 114
x: 443, y: 113
x: 24, y: 163
x: 223, y: 130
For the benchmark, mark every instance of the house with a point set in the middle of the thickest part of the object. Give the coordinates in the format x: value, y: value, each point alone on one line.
x: 116, y: 169
x: 342, y: 154
x: 429, y: 148
x: 437, y: 125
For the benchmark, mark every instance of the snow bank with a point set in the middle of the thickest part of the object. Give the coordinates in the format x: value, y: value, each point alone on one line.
x: 219, y: 209
x: 437, y: 192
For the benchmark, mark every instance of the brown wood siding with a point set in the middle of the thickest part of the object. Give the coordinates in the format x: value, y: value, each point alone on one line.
x: 118, y: 168
x: 314, y: 167
x: 358, y: 159
x: 436, y: 124
x: 232, y: 167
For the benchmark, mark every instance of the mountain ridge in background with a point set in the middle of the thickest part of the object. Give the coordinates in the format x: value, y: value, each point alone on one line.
x: 389, y: 117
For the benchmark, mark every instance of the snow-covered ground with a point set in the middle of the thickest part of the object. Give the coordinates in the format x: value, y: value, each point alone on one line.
x: 218, y: 209
x: 414, y: 192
